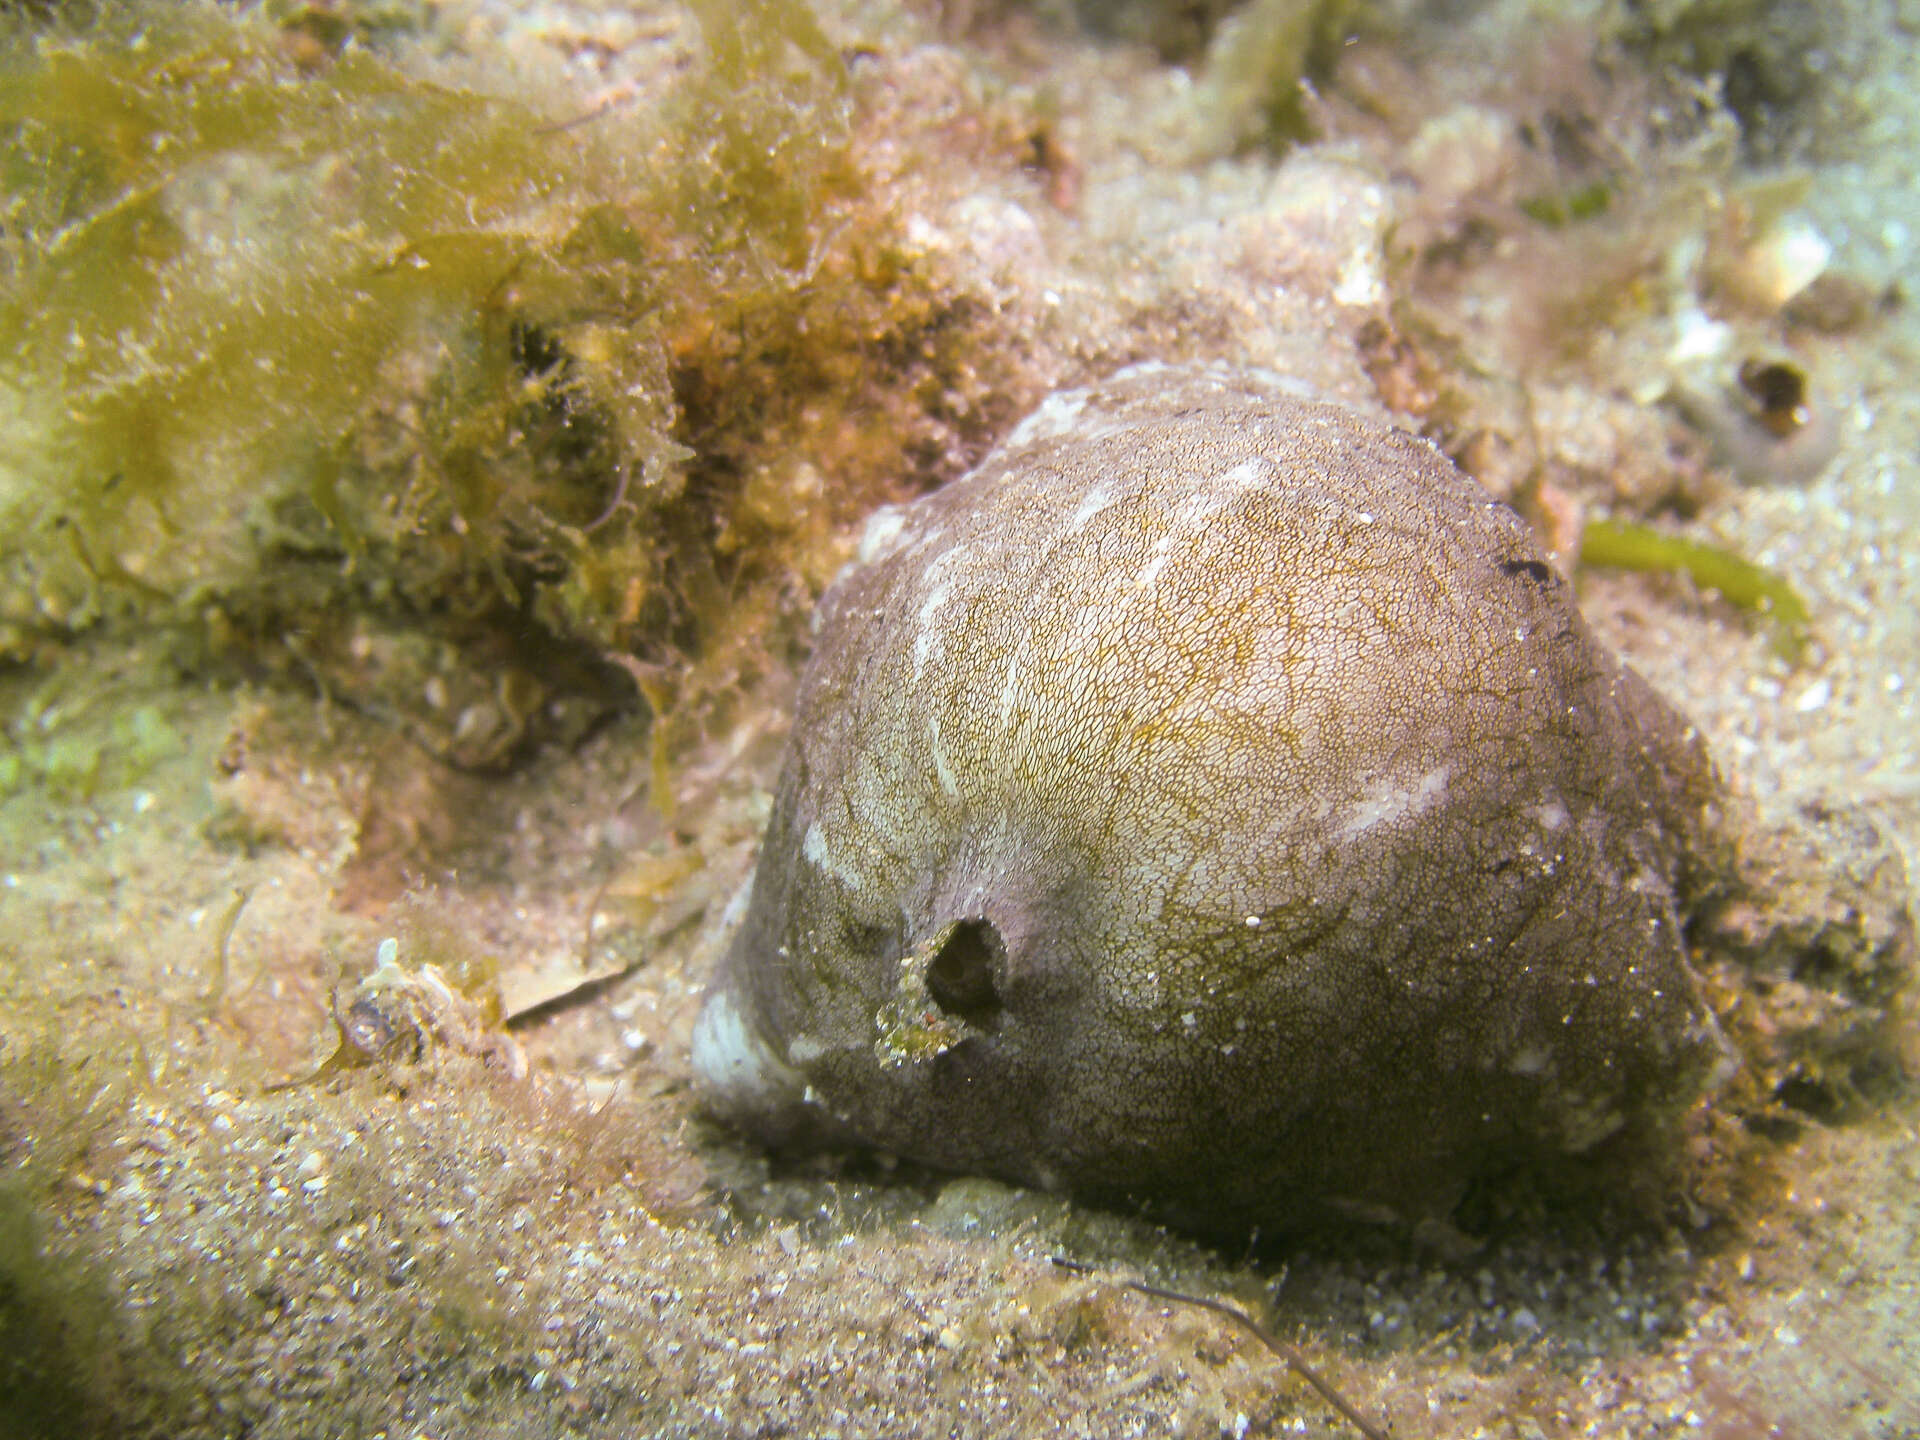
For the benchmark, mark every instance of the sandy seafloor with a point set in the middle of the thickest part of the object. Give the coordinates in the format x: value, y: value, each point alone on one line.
x: 530, y: 1232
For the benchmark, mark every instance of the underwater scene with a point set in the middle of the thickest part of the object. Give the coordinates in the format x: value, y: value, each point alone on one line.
x: 891, y: 718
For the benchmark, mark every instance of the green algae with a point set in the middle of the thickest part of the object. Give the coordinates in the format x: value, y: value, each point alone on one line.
x: 1558, y: 209
x: 217, y: 267
x: 1259, y: 63
x: 76, y: 763
x: 397, y: 386
x: 1621, y: 545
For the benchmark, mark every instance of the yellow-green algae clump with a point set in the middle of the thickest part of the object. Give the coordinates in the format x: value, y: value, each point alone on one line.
x: 1612, y: 544
x: 430, y: 388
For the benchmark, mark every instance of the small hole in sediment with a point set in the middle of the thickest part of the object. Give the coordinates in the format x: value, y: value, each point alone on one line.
x: 962, y: 977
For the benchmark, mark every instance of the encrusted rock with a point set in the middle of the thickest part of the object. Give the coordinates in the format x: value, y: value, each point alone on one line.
x: 1215, y: 800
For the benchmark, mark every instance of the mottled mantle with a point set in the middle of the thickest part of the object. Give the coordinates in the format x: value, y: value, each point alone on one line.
x: 1215, y: 799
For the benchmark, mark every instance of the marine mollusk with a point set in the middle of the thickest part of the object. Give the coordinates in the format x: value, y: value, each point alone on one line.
x: 1215, y: 800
